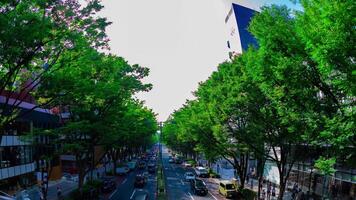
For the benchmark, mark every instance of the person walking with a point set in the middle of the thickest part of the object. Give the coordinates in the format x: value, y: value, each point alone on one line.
x: 273, y: 192
x: 268, y: 190
x: 263, y: 194
x: 59, y: 193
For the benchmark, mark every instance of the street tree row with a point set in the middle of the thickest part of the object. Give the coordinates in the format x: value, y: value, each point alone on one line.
x: 52, y: 52
x: 293, y: 94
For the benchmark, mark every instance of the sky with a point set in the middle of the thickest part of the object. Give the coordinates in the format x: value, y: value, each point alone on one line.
x: 181, y: 41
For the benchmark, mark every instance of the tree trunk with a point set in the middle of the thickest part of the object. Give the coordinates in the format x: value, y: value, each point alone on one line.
x: 282, y: 188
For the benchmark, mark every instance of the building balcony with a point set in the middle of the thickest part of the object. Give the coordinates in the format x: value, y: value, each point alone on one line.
x: 9, y: 172
x: 12, y: 140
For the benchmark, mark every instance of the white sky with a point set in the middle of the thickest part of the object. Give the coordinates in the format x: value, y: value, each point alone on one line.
x: 181, y: 41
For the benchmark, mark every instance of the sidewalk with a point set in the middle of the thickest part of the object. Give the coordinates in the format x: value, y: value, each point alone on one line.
x: 226, y: 172
x: 66, y: 187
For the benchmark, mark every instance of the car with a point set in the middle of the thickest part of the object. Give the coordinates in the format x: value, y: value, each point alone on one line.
x: 142, y: 165
x: 140, y: 181
x: 139, y: 195
x: 132, y: 165
x: 186, y: 164
x: 188, y: 176
x: 178, y: 161
x: 122, y: 170
x: 227, y: 189
x: 198, y: 187
x: 151, y: 167
x: 202, y: 172
x: 108, y: 185
x: 4, y: 196
x: 171, y: 160
x: 70, y: 177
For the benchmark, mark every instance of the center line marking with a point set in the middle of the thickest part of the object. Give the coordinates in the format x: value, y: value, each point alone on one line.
x: 123, y: 182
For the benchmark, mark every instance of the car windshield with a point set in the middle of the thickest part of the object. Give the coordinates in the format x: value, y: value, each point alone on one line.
x: 199, y: 184
x: 230, y: 186
x: 138, y: 178
x: 189, y: 174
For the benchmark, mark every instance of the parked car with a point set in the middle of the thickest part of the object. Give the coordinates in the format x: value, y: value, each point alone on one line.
x: 122, y: 170
x: 227, y: 189
x: 140, y: 195
x: 202, y: 172
x: 198, y: 187
x: 4, y: 196
x: 108, y: 185
x: 188, y: 176
x: 70, y: 177
x: 139, y: 181
x: 171, y: 160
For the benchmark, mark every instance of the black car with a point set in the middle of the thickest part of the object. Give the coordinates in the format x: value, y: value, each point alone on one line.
x: 151, y: 168
x: 198, y: 187
x: 142, y: 165
x: 108, y: 185
x: 139, y: 181
x: 178, y: 161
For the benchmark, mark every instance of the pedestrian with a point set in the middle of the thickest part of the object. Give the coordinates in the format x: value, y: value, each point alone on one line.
x: 299, y: 194
x: 263, y: 194
x: 59, y: 192
x: 42, y: 195
x: 302, y: 196
x: 269, y: 191
x: 273, y: 191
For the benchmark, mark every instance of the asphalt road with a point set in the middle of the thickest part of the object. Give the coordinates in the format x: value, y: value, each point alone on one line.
x: 177, y: 188
x: 126, y: 189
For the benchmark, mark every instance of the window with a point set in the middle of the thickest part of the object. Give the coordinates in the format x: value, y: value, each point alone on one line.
x: 15, y: 155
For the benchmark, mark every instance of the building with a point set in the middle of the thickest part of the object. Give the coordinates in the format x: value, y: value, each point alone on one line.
x: 237, y: 22
x: 19, y: 159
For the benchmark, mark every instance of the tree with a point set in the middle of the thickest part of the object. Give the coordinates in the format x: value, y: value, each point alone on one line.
x: 34, y: 35
x: 89, y: 87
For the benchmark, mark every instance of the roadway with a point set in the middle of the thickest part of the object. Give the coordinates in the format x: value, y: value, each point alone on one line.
x: 126, y: 189
x: 177, y: 188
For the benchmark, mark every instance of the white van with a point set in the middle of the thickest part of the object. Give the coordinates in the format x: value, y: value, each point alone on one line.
x: 202, y: 172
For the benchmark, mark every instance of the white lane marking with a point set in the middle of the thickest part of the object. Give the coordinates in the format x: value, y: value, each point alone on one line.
x: 190, y: 195
x: 212, y: 195
x: 133, y: 193
x: 113, y: 193
x: 182, y: 181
